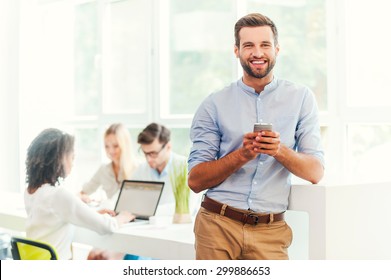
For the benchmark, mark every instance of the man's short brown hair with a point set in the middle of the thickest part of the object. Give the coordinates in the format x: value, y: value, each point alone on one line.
x: 154, y: 131
x: 254, y: 20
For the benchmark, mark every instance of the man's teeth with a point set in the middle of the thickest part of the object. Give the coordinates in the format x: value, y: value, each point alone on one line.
x: 258, y: 62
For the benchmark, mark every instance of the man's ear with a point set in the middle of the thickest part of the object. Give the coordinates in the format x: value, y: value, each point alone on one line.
x: 169, y: 146
x: 236, y: 51
x: 277, y: 49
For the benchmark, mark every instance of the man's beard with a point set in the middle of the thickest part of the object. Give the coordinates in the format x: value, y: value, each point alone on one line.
x: 259, y: 75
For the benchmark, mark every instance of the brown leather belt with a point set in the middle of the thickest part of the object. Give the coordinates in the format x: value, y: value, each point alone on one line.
x: 246, y: 217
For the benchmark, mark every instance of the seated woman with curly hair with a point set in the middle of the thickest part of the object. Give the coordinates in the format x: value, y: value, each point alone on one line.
x: 52, y: 210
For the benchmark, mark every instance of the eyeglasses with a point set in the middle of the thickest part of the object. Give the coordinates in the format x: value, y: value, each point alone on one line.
x: 153, y: 154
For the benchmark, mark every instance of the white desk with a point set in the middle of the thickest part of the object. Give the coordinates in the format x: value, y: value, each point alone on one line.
x: 12, y: 212
x: 328, y: 222
x: 174, y: 241
x: 171, y: 242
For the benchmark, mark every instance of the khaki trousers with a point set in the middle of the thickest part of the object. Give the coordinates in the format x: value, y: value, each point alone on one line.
x: 220, y: 238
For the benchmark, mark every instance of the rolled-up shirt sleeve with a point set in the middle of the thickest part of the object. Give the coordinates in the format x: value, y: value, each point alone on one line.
x: 308, y: 131
x: 204, y: 134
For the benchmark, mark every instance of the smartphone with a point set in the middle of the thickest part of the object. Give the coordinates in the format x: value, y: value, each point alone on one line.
x: 263, y: 126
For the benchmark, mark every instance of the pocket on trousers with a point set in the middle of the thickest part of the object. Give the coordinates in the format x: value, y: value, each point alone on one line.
x: 207, y: 214
x: 289, y: 235
x: 203, y: 216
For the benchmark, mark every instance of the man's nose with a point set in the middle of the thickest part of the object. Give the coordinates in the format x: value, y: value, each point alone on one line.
x: 149, y: 158
x: 257, y: 52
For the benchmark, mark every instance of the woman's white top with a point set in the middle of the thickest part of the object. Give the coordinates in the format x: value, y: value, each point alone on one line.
x: 104, y: 177
x: 52, y: 213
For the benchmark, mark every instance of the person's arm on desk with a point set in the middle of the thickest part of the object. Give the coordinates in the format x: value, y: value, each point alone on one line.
x: 123, y: 217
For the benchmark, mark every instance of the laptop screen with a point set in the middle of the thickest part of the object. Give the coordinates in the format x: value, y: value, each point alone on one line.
x: 141, y: 198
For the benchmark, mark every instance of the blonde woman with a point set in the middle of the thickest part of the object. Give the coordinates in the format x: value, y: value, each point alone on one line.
x: 109, y: 176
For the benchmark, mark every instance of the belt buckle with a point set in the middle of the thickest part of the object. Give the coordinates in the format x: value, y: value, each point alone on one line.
x: 255, y: 219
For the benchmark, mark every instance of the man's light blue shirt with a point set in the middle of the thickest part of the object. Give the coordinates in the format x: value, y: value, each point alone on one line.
x: 262, y: 184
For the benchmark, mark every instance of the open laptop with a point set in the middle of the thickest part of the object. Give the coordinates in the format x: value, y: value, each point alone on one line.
x: 141, y: 198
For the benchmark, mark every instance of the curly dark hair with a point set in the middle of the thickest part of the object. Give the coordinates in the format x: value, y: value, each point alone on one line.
x: 45, y: 157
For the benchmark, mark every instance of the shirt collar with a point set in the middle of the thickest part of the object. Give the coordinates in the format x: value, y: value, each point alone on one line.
x: 166, y: 168
x: 268, y: 88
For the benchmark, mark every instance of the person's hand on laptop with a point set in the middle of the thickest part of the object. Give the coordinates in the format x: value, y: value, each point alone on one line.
x: 107, y: 211
x: 124, y: 217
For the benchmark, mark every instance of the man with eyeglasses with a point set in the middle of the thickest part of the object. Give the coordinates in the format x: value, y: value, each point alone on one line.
x: 155, y: 144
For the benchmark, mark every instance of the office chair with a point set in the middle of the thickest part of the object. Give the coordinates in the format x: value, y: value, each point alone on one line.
x: 28, y: 249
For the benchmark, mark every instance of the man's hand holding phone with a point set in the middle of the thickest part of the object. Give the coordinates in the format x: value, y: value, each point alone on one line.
x: 266, y: 141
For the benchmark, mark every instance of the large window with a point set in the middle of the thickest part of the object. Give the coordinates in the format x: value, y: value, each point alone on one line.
x: 195, y: 58
x: 86, y: 64
x: 367, y: 113
x: 302, y: 27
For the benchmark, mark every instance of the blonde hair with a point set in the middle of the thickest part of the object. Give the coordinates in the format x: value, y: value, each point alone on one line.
x: 127, y: 159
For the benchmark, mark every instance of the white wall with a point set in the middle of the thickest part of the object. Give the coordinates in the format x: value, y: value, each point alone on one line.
x: 9, y: 122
